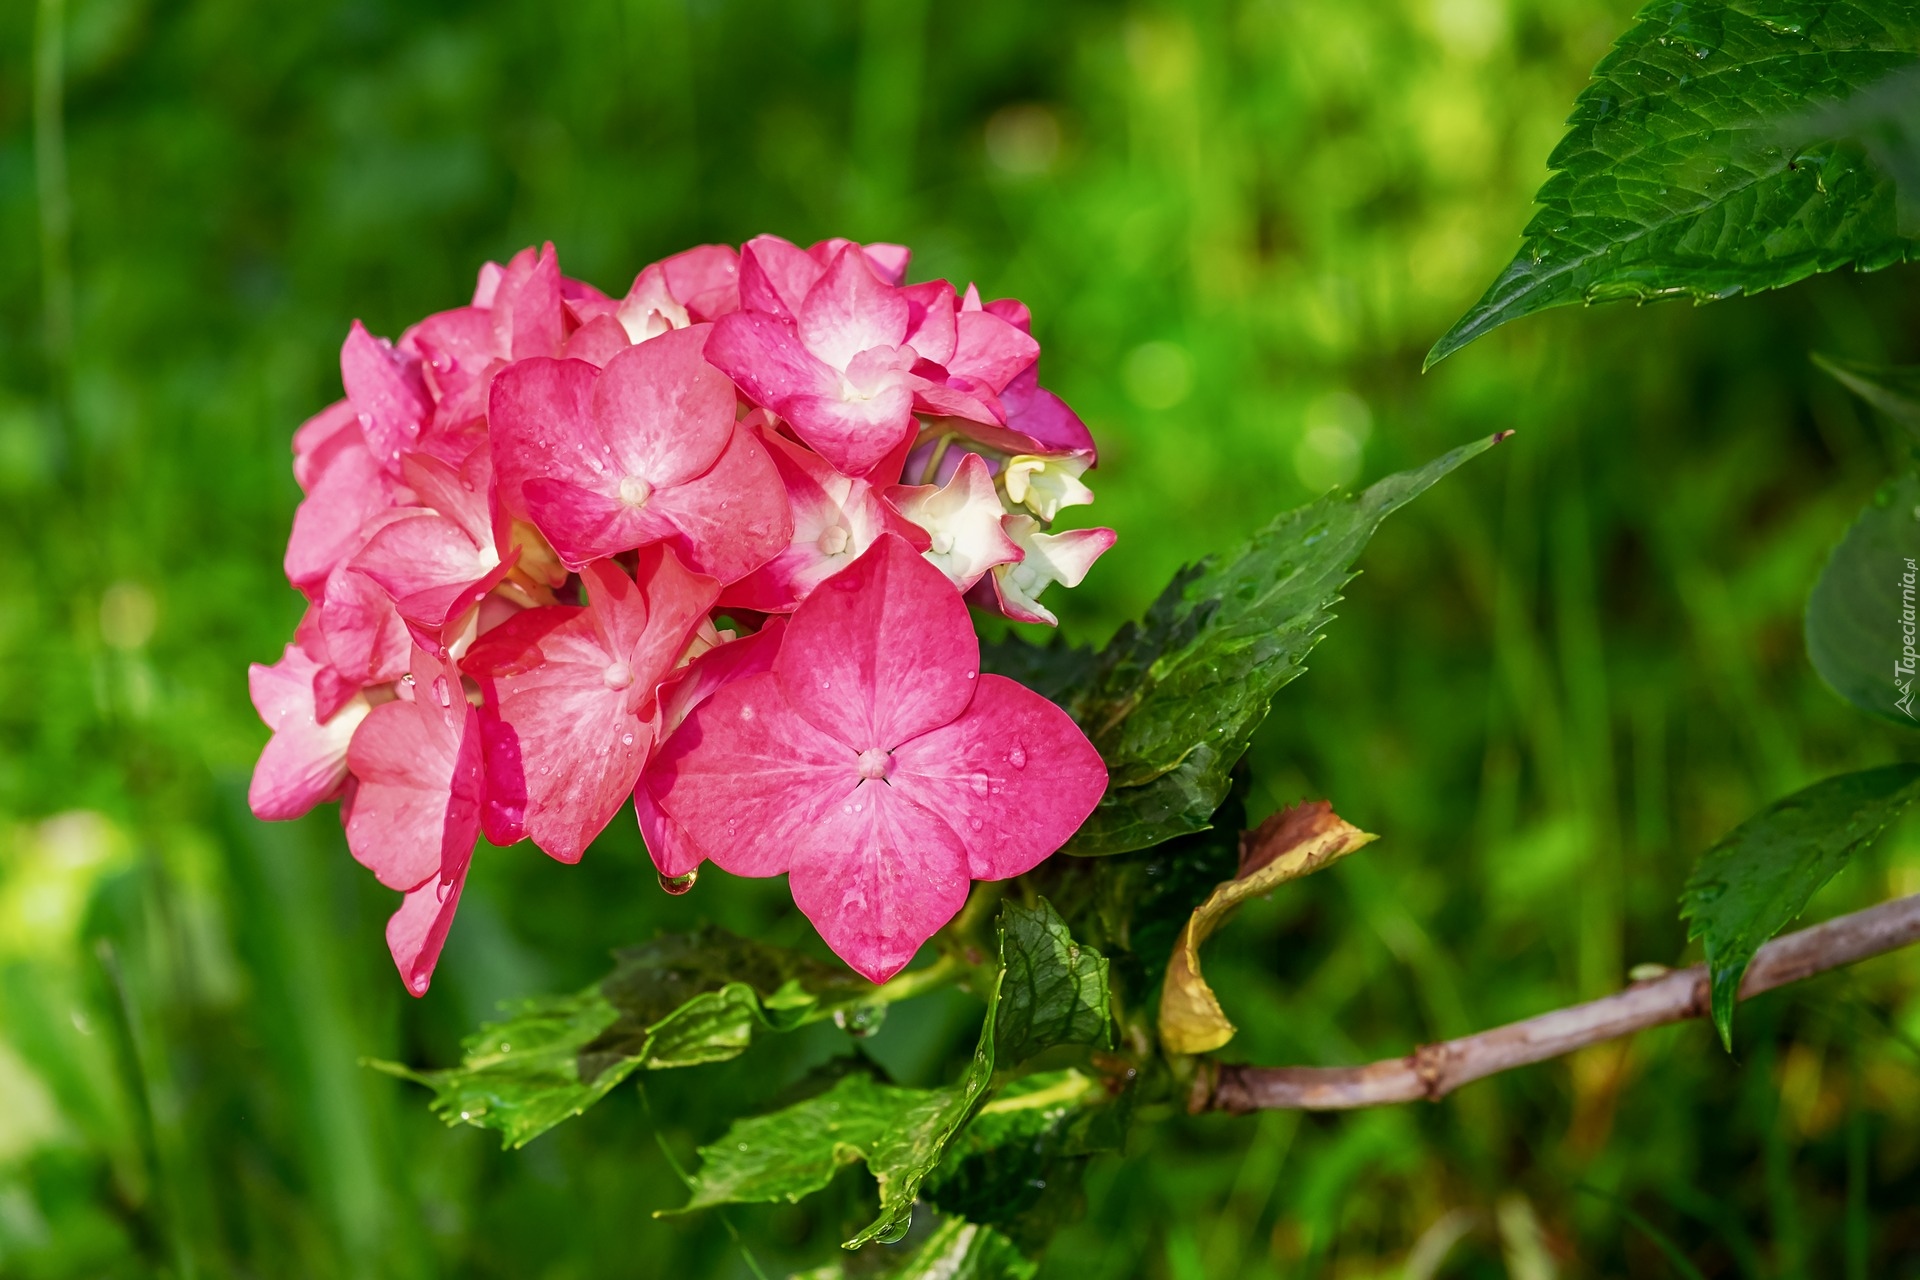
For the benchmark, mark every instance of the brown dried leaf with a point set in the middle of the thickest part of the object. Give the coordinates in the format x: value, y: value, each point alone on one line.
x: 1290, y: 844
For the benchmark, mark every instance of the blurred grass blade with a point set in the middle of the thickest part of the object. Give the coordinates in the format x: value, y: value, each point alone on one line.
x: 1659, y: 1239
x: 1863, y: 615
x: 1693, y: 166
x: 1892, y: 389
x: 1753, y: 883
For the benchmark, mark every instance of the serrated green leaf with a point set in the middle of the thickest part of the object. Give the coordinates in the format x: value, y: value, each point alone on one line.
x: 678, y: 1001
x: 1863, y: 631
x: 1892, y: 389
x: 1177, y: 696
x: 1722, y: 148
x: 1753, y: 883
x: 1049, y: 990
x: 1018, y: 1164
x: 1055, y: 669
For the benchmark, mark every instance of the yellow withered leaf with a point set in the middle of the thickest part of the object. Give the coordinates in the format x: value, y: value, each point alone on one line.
x: 1290, y: 844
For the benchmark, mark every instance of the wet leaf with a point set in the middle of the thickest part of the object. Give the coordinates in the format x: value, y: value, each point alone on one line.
x: 1175, y: 698
x: 1748, y: 887
x: 1292, y: 843
x: 678, y: 1001
x: 1722, y: 148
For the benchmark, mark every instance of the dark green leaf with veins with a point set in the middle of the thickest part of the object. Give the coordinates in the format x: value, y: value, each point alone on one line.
x: 1722, y: 148
x: 1863, y: 615
x: 1059, y: 997
x: 1753, y: 883
x: 680, y: 1000
x: 1175, y: 698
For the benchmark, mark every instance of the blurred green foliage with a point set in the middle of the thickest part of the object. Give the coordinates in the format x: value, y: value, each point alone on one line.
x: 1565, y: 672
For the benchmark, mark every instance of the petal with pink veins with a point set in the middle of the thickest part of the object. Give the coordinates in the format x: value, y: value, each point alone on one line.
x: 418, y: 930
x: 569, y: 700
x: 528, y: 316
x: 767, y: 360
x: 350, y: 493
x: 1013, y: 776
x: 962, y: 522
x: 855, y: 435
x: 416, y: 811
x: 849, y: 310
x: 882, y: 652
x: 387, y: 391
x: 531, y: 405
x: 775, y: 276
x: 705, y: 279
x: 320, y: 437
x: 597, y: 341
x: 991, y: 350
x: 305, y: 762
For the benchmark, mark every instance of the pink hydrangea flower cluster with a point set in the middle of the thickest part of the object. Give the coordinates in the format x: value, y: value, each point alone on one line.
x: 707, y: 547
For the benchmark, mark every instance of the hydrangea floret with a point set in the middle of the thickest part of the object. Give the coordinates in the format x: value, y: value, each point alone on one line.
x: 706, y: 548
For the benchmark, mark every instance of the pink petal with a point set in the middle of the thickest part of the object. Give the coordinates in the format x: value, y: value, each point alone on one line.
x: 962, y: 520
x: 882, y: 652
x: 348, y: 495
x: 366, y: 640
x: 849, y: 311
x: 527, y: 313
x: 456, y: 347
x: 387, y: 392
x: 597, y: 341
x: 666, y: 412
x: 705, y: 280
x: 532, y: 404
x: 1012, y: 310
x: 568, y: 692
x: 1014, y: 776
x: 586, y: 524
x: 322, y: 436
x: 775, y: 276
x: 766, y: 360
x: 854, y: 435
x: 889, y: 261
x: 456, y: 491
x: 746, y: 778
x: 673, y: 851
x: 1044, y: 418
x: 416, y: 810
x: 305, y: 762
x: 834, y: 519
x: 422, y: 553
x: 931, y: 330
x: 730, y: 521
x: 991, y: 350
x: 878, y: 875
x: 418, y: 930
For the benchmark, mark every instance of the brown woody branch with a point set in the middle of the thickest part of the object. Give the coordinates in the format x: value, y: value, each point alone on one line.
x: 1433, y: 1071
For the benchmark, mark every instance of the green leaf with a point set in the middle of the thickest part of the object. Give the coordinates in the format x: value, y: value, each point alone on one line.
x: 1055, y: 669
x: 1019, y: 1163
x: 1176, y: 697
x: 1749, y: 886
x: 678, y: 1001
x: 957, y: 1250
x: 1700, y: 163
x: 1863, y: 634
x: 1048, y: 992
x: 1892, y: 389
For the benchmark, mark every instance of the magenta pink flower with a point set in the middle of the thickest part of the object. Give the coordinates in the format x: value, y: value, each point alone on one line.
x: 568, y: 713
x: 644, y: 451
x: 305, y: 762
x: 672, y: 850
x: 834, y: 519
x: 840, y: 370
x: 876, y: 766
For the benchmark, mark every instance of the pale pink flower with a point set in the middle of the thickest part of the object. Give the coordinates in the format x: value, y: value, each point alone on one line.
x: 305, y: 762
x: 1045, y: 558
x: 961, y: 520
x: 877, y: 766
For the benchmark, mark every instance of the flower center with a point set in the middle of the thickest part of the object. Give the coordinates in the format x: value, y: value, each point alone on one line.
x: 874, y: 764
x: 618, y: 675
x: 634, y: 491
x: 834, y: 540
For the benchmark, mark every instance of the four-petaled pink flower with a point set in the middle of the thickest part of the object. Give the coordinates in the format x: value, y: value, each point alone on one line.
x: 876, y: 766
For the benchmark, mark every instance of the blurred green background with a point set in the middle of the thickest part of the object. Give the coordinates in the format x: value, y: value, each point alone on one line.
x: 1564, y: 673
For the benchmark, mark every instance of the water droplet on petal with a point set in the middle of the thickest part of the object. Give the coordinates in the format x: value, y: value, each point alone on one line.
x: 1017, y: 757
x: 440, y: 693
x: 969, y: 675
x: 976, y: 823
x: 626, y: 739
x: 677, y: 885
x: 980, y: 784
